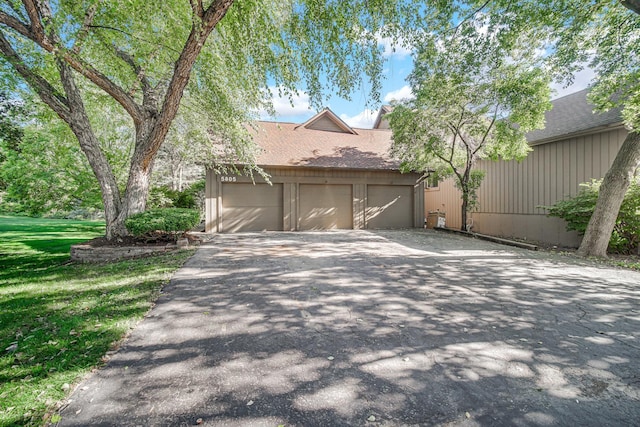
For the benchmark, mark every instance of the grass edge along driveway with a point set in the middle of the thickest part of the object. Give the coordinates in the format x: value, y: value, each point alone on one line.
x: 58, y: 320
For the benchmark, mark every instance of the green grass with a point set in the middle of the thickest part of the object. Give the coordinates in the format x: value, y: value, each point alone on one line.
x: 62, y: 317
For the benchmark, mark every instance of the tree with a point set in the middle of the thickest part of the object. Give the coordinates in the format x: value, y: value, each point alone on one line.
x: 475, y: 98
x: 613, y: 38
x: 47, y: 173
x: 143, y: 54
x: 11, y: 133
x: 602, y: 34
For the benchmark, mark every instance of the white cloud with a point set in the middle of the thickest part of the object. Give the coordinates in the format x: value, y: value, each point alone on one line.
x: 582, y: 80
x: 398, y: 95
x: 285, y: 107
x: 399, y: 49
x: 363, y: 120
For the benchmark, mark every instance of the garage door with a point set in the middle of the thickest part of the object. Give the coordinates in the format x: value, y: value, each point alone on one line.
x: 324, y: 207
x: 249, y: 207
x: 389, y: 206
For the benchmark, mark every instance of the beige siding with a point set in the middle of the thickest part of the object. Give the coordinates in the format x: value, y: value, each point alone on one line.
x: 445, y: 198
x: 512, y: 193
x: 325, y: 124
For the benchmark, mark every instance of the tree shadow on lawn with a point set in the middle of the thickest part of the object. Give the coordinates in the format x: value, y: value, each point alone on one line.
x: 63, y: 321
x: 367, y: 328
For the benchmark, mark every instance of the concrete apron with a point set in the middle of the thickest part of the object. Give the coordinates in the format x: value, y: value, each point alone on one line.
x: 387, y: 328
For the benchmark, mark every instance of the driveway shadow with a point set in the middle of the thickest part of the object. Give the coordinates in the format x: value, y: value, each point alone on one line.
x: 376, y: 328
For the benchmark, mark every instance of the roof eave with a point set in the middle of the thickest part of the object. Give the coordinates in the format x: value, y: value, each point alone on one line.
x: 556, y: 138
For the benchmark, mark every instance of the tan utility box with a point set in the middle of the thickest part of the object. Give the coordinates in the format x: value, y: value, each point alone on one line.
x: 436, y: 219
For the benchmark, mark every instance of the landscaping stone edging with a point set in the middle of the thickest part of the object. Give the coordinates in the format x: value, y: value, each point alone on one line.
x: 91, y: 254
x: 494, y: 239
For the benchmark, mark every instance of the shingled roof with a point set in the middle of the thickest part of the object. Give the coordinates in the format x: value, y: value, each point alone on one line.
x: 572, y: 115
x: 325, y: 143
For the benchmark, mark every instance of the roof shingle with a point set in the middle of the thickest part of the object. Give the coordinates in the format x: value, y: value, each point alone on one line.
x: 289, y: 144
x: 572, y: 114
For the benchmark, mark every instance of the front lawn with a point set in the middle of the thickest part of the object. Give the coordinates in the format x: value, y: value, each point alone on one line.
x: 58, y: 320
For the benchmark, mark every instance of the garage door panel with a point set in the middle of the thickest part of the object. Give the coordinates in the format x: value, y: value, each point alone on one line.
x: 389, y: 206
x: 249, y: 207
x: 324, y: 207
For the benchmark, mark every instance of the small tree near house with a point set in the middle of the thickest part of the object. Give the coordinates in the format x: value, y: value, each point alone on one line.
x: 474, y: 99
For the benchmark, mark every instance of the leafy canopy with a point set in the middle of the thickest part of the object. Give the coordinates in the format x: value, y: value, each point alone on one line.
x: 476, y: 96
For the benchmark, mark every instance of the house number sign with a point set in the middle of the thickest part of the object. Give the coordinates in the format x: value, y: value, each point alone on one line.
x: 228, y: 178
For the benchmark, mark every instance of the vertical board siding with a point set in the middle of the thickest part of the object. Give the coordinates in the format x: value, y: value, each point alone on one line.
x: 551, y: 172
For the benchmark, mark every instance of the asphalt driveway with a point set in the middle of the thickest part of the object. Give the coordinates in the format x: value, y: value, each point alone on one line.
x: 376, y: 328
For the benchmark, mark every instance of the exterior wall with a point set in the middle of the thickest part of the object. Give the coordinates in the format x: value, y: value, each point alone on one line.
x: 512, y: 193
x: 292, y: 179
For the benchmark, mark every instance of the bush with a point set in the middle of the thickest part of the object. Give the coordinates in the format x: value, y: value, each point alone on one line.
x: 167, y: 221
x: 578, y: 210
x: 189, y: 198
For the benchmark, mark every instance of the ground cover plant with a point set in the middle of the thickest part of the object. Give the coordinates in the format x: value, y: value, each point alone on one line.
x: 57, y: 319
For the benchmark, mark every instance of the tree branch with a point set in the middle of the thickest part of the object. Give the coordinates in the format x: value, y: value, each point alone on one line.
x: 484, y: 137
x: 197, y: 8
x: 469, y: 16
x: 15, y: 24
x: 137, y: 69
x: 155, y: 42
x: 33, y: 11
x: 43, y: 88
x: 86, y: 25
x: 40, y: 11
x: 182, y: 72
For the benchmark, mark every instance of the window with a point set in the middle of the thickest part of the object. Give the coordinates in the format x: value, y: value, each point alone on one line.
x: 432, y: 180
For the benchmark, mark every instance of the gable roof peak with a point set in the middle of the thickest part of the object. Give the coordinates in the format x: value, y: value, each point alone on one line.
x: 380, y: 123
x: 327, y: 120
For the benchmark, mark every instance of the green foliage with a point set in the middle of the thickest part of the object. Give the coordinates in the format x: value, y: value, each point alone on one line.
x: 189, y: 198
x: 472, y: 185
x: 578, y: 210
x: 477, y: 93
x: 167, y: 220
x: 63, y: 317
x: 49, y: 175
x: 599, y: 34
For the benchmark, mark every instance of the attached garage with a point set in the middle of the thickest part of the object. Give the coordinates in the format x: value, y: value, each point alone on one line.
x: 389, y: 206
x: 249, y: 207
x: 325, y: 207
x: 322, y: 175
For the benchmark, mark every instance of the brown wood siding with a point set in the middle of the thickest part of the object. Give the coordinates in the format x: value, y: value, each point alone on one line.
x: 514, y: 191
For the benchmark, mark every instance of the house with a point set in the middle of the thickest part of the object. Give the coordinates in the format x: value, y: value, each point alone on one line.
x: 323, y: 175
x: 575, y: 146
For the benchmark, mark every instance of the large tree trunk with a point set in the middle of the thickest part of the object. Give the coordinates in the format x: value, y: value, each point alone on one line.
x: 612, y: 191
x: 79, y: 123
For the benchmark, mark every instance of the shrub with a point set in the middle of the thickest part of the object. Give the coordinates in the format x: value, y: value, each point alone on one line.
x: 578, y: 210
x: 160, y: 197
x: 191, y: 197
x: 173, y: 221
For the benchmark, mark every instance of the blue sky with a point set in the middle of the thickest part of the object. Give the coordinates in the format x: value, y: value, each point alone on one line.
x: 360, y: 112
